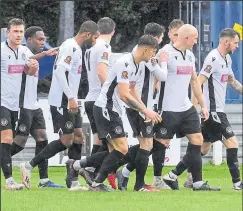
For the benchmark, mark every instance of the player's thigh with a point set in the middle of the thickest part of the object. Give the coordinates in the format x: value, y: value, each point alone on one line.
x: 63, y: 121
x: 109, y: 124
x: 168, y: 127
x: 89, y: 111
x: 190, y: 123
x: 120, y: 144
x: 26, y: 117
x: 133, y: 118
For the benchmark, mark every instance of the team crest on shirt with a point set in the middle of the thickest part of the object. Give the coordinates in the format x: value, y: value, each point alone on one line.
x: 4, y: 122
x: 163, y: 131
x: 68, y: 59
x: 124, y: 75
x: 229, y: 130
x: 23, y: 56
x: 208, y: 68
x: 149, y: 129
x: 118, y: 129
x: 105, y: 56
x: 22, y: 128
x: 69, y: 125
x: 153, y: 61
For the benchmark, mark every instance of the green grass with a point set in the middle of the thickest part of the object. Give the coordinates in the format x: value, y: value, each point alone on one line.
x: 167, y: 200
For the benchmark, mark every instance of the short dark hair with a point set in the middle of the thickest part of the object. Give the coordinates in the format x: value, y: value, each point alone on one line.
x: 176, y: 23
x: 31, y: 31
x: 147, y: 40
x: 154, y: 29
x: 106, y: 25
x: 14, y: 22
x: 228, y: 32
x: 88, y: 26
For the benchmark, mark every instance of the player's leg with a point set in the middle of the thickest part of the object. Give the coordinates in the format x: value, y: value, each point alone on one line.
x: 63, y: 123
x: 158, y: 157
x: 190, y: 125
x: 22, y: 131
x: 8, y: 121
x: 204, y: 150
x: 231, y: 144
x: 96, y: 141
x: 38, y: 132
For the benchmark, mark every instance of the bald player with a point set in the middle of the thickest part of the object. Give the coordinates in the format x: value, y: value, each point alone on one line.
x: 178, y: 114
x: 215, y: 75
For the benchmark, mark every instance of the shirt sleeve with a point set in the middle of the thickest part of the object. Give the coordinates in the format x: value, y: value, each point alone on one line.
x: 66, y: 57
x: 122, y: 72
x: 104, y: 54
x: 208, y: 66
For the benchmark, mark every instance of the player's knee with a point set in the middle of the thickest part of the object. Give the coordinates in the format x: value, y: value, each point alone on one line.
x: 121, y: 146
x: 40, y: 135
x: 67, y: 140
x: 231, y: 143
x: 7, y: 136
x: 147, y: 144
x: 20, y: 140
x: 205, y: 148
x: 196, y: 139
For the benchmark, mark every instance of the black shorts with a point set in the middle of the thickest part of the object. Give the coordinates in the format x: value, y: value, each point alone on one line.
x: 179, y: 123
x: 65, y: 122
x: 8, y: 119
x: 89, y: 111
x: 139, y: 127
x: 30, y: 120
x: 109, y: 124
x: 214, y: 131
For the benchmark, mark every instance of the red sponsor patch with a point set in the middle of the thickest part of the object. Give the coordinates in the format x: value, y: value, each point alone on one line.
x: 224, y: 78
x: 79, y: 69
x: 184, y: 70
x: 12, y: 69
x: 132, y: 84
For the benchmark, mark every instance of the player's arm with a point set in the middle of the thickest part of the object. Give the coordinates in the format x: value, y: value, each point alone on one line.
x: 31, y: 67
x: 50, y: 52
x: 234, y: 84
x: 201, y: 80
x: 160, y: 71
x: 103, y: 62
x: 64, y: 65
x: 134, y: 92
x: 126, y: 96
x: 102, y: 71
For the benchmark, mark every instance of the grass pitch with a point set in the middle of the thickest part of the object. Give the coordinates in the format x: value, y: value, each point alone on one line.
x: 37, y: 199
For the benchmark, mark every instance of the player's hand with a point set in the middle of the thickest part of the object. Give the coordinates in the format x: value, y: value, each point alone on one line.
x: 83, y: 138
x: 72, y: 105
x: 32, y: 67
x: 51, y: 52
x: 151, y: 115
x: 163, y: 57
x: 205, y: 113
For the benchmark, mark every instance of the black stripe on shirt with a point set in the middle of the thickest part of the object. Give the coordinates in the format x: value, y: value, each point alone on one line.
x: 145, y: 90
x: 64, y: 103
x: 22, y: 90
x: 211, y: 94
x: 109, y: 94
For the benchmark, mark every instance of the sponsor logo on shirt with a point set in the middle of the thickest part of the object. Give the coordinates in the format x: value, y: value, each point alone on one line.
x: 68, y: 59
x: 18, y: 68
x: 224, y: 78
x: 184, y: 70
